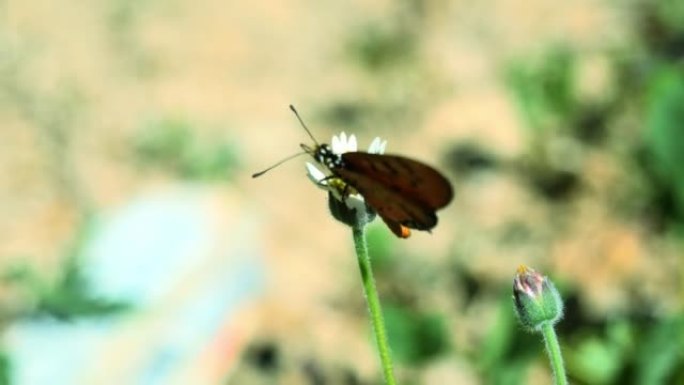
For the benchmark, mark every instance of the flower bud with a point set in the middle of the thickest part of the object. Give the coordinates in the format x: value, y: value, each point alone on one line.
x: 345, y: 203
x: 350, y: 211
x: 536, y: 299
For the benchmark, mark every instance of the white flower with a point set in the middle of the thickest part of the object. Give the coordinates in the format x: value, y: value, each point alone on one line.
x: 339, y: 145
x: 342, y: 144
x: 377, y: 146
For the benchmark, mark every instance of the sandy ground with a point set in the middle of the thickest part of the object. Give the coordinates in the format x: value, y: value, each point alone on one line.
x: 79, y: 82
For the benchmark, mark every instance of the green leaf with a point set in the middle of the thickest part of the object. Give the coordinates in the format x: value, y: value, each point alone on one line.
x: 415, y: 337
x: 664, y: 134
x: 661, y: 352
x: 545, y: 91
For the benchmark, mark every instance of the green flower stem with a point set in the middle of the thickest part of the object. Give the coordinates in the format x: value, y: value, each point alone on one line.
x: 373, y: 302
x: 553, y: 349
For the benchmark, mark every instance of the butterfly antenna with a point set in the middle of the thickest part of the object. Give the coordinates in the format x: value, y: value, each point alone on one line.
x: 260, y: 173
x: 303, y: 125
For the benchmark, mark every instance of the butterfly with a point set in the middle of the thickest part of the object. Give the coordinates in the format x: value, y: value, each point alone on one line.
x: 404, y: 192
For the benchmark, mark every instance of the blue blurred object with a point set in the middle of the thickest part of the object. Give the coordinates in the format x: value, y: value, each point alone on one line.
x: 185, y: 264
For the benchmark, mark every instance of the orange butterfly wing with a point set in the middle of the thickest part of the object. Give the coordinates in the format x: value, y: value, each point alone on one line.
x: 397, y: 228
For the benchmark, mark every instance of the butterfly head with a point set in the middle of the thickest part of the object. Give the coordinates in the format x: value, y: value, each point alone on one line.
x: 324, y: 154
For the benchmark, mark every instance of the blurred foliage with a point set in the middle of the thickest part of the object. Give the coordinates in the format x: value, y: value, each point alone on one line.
x: 350, y: 115
x: 52, y: 114
x: 506, y: 350
x: 662, y: 29
x: 635, y: 347
x: 264, y: 355
x: 630, y: 349
x: 373, y: 114
x: 664, y: 131
x: 381, y: 246
x: 671, y: 14
x: 660, y: 358
x: 65, y: 299
x: 600, y: 357
x: 466, y: 158
x: 545, y: 91
x: 124, y: 19
x: 172, y: 145
x: 389, y: 43
x: 558, y: 121
x: 69, y: 296
x: 377, y: 47
x: 5, y: 369
x: 417, y: 337
x: 387, y: 53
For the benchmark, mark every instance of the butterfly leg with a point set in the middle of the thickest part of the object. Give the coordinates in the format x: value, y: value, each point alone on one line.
x: 346, y: 190
x: 325, y: 181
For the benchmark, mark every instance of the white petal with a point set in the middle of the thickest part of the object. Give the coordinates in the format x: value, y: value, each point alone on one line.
x: 351, y: 144
x: 377, y: 146
x: 374, y: 146
x: 355, y: 201
x: 382, y: 147
x: 343, y: 139
x: 316, y: 175
x: 335, y: 144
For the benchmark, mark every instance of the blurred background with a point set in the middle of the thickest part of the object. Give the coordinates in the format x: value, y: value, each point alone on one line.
x: 136, y: 249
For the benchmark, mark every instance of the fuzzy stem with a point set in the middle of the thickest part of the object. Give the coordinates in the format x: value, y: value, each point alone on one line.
x: 373, y: 302
x: 554, y: 352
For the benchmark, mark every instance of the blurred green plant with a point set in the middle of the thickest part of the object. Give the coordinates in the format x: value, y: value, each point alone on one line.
x: 171, y: 144
x: 124, y: 18
x: 671, y: 12
x: 597, y: 359
x: 5, y: 369
x: 505, y: 354
x: 545, y: 91
x: 387, y: 51
x: 53, y: 114
x: 598, y: 350
x: 66, y: 299
x: 664, y: 132
x: 661, y: 29
x: 393, y: 41
x: 659, y: 358
x: 379, y: 47
x: 349, y: 115
x: 417, y: 337
x: 545, y: 94
x: 383, y: 246
x: 70, y: 295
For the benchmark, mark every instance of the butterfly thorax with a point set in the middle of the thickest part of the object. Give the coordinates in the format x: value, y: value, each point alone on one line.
x: 325, y: 156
